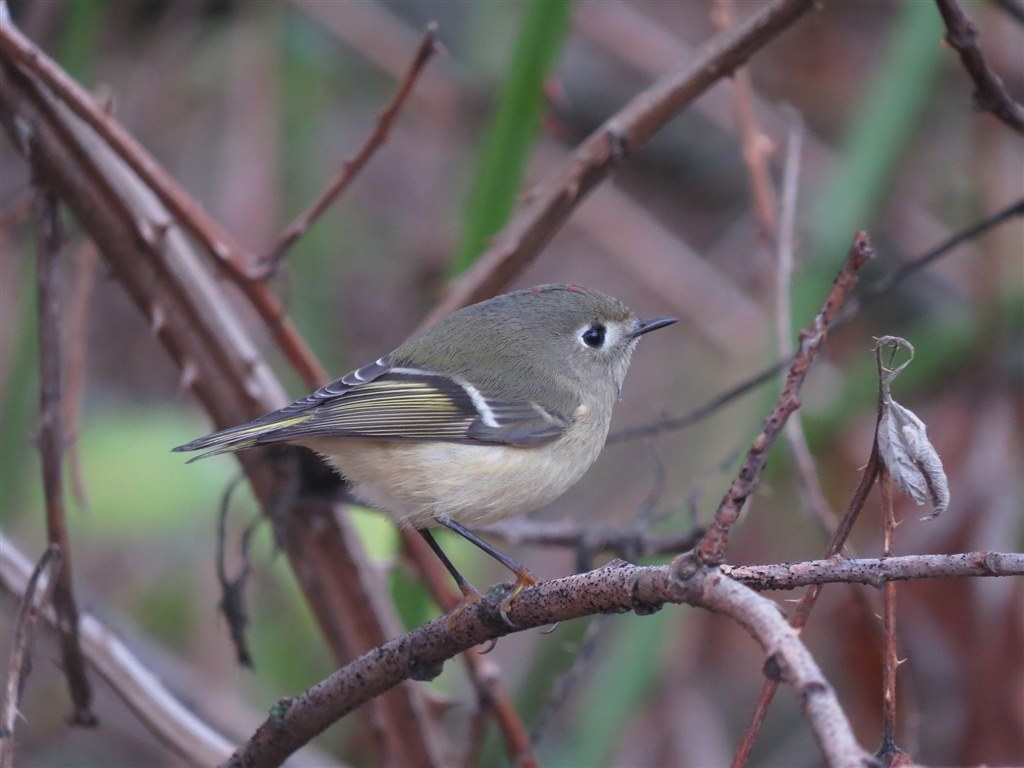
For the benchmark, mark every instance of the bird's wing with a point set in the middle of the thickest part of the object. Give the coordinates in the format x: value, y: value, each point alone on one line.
x: 380, y: 402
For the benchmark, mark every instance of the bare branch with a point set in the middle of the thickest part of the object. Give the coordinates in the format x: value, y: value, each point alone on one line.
x: 876, y: 572
x: 624, y: 133
x: 990, y: 94
x: 890, y: 661
x: 757, y: 147
x: 616, y: 588
x: 788, y: 661
x: 51, y: 451
x: 613, y: 589
x: 701, y: 412
x: 232, y: 588
x: 616, y: 25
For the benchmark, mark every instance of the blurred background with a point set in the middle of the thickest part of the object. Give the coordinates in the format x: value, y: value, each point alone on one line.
x: 254, y: 106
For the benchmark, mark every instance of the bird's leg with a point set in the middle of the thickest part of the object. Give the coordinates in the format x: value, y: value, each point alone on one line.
x: 524, y: 578
x: 469, y: 592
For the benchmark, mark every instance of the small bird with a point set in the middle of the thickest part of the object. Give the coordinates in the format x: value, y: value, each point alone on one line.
x: 495, y: 411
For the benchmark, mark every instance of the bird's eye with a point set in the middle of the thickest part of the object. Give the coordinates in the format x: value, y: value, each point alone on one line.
x: 594, y: 336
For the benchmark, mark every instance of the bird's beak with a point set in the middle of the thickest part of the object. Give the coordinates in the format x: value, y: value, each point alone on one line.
x: 645, y: 326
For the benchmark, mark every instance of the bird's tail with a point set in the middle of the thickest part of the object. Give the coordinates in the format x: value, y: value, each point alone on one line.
x: 267, y: 429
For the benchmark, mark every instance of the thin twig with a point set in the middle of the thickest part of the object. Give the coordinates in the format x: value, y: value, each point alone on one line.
x: 20, y: 663
x: 350, y: 168
x: 888, y: 751
x: 875, y: 571
x: 712, y: 547
x: 990, y: 94
x: 887, y: 283
x: 232, y: 588
x: 701, y: 412
x: 49, y: 240
x: 808, y: 483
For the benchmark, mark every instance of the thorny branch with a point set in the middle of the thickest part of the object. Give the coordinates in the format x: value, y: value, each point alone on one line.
x: 885, y: 285
x: 888, y: 750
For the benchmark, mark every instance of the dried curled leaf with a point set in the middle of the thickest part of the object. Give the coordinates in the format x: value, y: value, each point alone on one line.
x: 903, y: 443
x: 911, y: 459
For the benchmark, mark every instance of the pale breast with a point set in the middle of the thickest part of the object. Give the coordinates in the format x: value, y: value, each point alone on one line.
x: 470, y: 483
